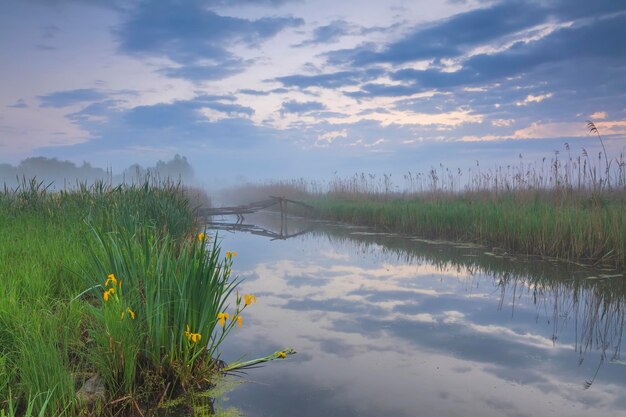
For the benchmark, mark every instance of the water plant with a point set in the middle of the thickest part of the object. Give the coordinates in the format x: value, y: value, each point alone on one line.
x: 109, y: 283
x: 164, y: 303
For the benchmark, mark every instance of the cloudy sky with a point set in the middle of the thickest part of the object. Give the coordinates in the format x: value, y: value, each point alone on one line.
x: 305, y: 88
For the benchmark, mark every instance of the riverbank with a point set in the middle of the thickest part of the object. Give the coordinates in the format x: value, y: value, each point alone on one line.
x: 582, y: 228
x: 109, y: 297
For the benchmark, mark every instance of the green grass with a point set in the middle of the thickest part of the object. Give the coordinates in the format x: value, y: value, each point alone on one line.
x: 582, y: 229
x: 56, y: 330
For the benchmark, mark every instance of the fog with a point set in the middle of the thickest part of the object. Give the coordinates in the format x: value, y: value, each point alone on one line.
x: 60, y: 174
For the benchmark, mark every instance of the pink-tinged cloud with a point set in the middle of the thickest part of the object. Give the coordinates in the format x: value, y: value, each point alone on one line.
x: 556, y: 130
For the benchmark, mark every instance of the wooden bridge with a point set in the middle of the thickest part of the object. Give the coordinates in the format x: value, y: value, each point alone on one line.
x: 283, y: 234
x: 250, y: 208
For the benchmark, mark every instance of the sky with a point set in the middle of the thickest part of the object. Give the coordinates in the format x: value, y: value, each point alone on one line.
x: 273, y: 89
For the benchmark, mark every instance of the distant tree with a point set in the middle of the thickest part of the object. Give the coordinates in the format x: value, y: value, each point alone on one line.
x: 176, y: 168
x: 67, y: 173
x: 134, y: 173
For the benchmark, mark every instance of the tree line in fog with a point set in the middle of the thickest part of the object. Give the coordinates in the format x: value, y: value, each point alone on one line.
x: 67, y: 174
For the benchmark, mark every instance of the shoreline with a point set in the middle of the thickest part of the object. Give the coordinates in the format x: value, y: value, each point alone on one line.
x: 580, y: 231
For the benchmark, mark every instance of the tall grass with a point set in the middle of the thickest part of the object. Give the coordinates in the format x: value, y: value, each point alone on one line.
x: 569, y: 207
x: 163, y: 312
x: 56, y: 330
x: 592, y: 232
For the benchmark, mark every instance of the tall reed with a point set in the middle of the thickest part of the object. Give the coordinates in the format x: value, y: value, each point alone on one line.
x: 569, y: 207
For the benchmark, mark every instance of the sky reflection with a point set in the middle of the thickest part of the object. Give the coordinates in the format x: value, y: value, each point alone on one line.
x: 380, y: 335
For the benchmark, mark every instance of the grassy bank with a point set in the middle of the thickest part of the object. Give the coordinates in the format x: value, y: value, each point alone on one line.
x: 108, y: 286
x: 581, y: 229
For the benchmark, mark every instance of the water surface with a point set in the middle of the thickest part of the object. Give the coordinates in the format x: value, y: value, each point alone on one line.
x: 386, y: 325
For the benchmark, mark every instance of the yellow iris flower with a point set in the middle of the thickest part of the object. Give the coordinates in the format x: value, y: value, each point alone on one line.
x: 108, y: 293
x: 192, y: 337
x: 230, y: 255
x: 130, y: 312
x: 222, y: 317
x: 239, y: 321
x: 111, y: 279
x: 281, y: 355
x: 249, y: 298
x: 200, y: 236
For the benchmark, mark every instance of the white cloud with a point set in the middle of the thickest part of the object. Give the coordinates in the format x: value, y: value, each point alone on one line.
x: 502, y: 122
x: 534, y: 99
x: 213, y: 115
x: 376, y: 143
x: 330, y: 137
x: 556, y: 130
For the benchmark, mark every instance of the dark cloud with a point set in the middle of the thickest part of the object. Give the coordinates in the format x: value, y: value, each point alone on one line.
x: 181, y: 113
x: 330, y: 80
x: 328, y: 33
x: 576, y: 67
x: 567, y: 45
x: 180, y: 121
x: 453, y: 36
x: 382, y: 90
x: 450, y: 37
x: 252, y: 92
x: 204, y: 72
x: 67, y: 98
x: 190, y: 33
x: 122, y: 5
x: 300, y: 107
x: 574, y: 9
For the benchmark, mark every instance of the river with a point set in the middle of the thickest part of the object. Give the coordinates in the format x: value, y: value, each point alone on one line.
x: 386, y: 325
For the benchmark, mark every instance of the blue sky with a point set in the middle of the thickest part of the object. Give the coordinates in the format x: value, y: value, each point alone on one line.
x: 293, y: 88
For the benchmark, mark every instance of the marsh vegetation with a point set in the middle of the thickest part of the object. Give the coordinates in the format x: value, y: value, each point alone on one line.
x: 569, y: 207
x: 113, y: 299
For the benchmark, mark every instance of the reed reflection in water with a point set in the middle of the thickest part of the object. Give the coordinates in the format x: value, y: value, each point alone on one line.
x: 395, y: 322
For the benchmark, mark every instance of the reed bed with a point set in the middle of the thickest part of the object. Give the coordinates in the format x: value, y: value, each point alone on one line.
x: 589, y: 231
x: 116, y: 284
x: 567, y: 207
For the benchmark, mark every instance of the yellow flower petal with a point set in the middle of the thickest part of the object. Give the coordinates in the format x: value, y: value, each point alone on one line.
x: 282, y: 355
x: 110, y: 279
x: 239, y: 321
x: 200, y: 236
x: 249, y: 298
